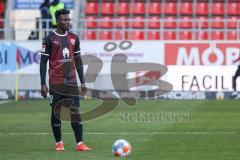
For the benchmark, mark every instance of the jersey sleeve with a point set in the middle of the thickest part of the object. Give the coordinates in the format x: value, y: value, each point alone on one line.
x: 77, y: 51
x: 46, y: 47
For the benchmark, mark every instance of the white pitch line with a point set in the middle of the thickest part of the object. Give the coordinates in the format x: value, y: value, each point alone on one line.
x: 130, y: 133
x: 2, y: 102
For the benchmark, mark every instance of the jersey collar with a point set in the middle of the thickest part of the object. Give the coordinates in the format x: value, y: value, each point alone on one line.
x: 60, y: 34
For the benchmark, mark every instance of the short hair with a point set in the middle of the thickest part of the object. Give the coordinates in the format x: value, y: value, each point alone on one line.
x: 61, y: 12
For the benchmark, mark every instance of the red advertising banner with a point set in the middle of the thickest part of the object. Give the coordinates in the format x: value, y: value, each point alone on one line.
x: 201, y: 53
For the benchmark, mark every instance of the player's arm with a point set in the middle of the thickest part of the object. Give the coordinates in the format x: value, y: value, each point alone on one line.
x: 79, y: 66
x: 43, y: 66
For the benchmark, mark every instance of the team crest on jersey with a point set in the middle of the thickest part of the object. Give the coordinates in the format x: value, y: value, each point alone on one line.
x: 72, y: 41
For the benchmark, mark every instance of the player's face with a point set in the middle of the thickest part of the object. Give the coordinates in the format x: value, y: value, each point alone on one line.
x: 64, y: 22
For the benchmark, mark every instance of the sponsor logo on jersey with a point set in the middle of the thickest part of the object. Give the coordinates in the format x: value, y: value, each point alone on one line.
x: 66, y: 55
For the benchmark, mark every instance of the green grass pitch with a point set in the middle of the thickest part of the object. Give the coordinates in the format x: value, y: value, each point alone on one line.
x: 156, y: 130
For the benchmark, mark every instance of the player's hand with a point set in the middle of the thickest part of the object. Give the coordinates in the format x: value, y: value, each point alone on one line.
x: 44, y: 91
x: 83, y: 89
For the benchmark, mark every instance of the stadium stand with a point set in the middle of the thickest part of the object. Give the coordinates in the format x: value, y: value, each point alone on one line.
x: 162, y: 19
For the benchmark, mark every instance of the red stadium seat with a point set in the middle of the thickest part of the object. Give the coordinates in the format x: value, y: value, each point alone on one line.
x: 170, y: 22
x: 169, y: 35
x: 154, y: 22
x: 105, y: 35
x: 1, y: 23
x: 155, y: 8
x: 122, y: 22
x: 120, y: 35
x: 201, y: 35
x: 136, y: 35
x: 217, y: 35
x: 202, y: 8
x: 232, y: 35
x: 91, y: 22
x: 186, y: 22
x: 233, y: 8
x: 186, y: 8
x: 218, y: 8
x: 232, y: 22
x: 170, y: 8
x: 106, y: 22
x: 185, y: 35
x: 217, y: 22
x: 91, y: 8
x: 107, y: 8
x: 201, y: 22
x: 2, y: 7
x: 90, y: 35
x: 153, y: 35
x: 138, y: 22
x: 123, y: 8
x: 138, y: 8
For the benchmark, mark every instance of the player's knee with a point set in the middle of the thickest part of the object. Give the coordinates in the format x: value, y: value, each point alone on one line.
x: 74, y: 110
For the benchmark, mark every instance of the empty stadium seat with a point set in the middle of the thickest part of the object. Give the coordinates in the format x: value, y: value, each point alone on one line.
x: 105, y: 35
x: 206, y: 16
x: 232, y: 22
x: 169, y: 35
x: 1, y: 23
x: 122, y: 22
x: 106, y: 22
x: 120, y: 35
x: 170, y: 8
x: 217, y: 35
x: 2, y: 7
x: 123, y: 8
x: 91, y: 22
x: 186, y: 8
x: 217, y: 22
x: 107, y: 8
x: 186, y: 22
x: 202, y: 8
x: 231, y: 35
x: 138, y: 8
x: 233, y: 8
x: 201, y: 35
x: 137, y: 22
x: 90, y: 35
x: 91, y: 8
x: 154, y: 22
x: 136, y: 35
x: 218, y: 8
x: 153, y: 35
x: 170, y: 22
x: 185, y: 35
x: 155, y: 8
x: 201, y: 22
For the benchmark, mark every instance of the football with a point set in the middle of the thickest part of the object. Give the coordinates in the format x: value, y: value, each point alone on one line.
x: 121, y: 148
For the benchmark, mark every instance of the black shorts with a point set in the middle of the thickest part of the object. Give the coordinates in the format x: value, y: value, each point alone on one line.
x: 57, y: 97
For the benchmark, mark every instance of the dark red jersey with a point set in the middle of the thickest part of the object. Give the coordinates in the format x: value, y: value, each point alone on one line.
x: 61, y: 51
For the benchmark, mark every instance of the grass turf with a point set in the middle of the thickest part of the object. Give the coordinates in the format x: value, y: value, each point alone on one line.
x: 186, y: 130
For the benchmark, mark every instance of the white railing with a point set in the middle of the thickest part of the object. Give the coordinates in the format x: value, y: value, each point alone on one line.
x: 20, y: 30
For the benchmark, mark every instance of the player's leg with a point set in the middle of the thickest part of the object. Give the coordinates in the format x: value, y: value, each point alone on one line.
x: 55, y: 119
x: 77, y: 125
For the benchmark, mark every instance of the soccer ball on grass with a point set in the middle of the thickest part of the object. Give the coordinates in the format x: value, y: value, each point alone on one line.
x: 121, y: 148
